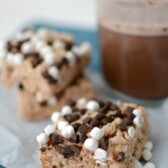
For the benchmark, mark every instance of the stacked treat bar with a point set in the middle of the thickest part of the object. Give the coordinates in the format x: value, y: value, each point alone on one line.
x: 93, y: 134
x: 48, y: 68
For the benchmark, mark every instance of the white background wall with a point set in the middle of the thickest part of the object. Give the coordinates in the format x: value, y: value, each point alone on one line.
x: 14, y: 13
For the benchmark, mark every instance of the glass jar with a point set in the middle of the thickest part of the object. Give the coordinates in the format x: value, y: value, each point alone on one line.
x: 134, y: 43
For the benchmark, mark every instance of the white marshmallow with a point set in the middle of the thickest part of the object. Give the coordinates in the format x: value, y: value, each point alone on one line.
x: 62, y: 125
x: 85, y: 48
x: 42, y: 138
x: 49, y: 58
x: 54, y: 72
x: 149, y: 145
x: 76, y: 50
x: 137, y: 121
x: 21, y: 36
x: 101, y: 163
x: 49, y: 129
x: 149, y: 165
x: 9, y: 58
x: 71, y: 58
x: 137, y: 112
x: 68, y: 131
x: 44, y: 33
x: 92, y: 105
x: 137, y: 164
x: 39, y: 98
x: 39, y: 45
x: 55, y: 117
x: 100, y: 154
x: 81, y: 102
x: 58, y: 44
x: 91, y: 144
x: 52, y: 101
x: 66, y: 110
x: 96, y: 133
x: 146, y: 154
x: 131, y: 132
x: 17, y: 58
x: 45, y: 50
x: 27, y: 48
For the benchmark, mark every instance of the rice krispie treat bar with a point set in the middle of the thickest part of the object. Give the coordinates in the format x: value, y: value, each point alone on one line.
x: 43, y: 60
x: 35, y: 107
x: 94, y: 134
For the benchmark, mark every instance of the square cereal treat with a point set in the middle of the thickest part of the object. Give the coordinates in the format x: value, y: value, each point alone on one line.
x: 42, y: 60
x: 35, y: 107
x: 94, y: 134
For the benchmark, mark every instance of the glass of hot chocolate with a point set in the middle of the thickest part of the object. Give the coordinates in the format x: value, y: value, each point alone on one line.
x: 134, y: 45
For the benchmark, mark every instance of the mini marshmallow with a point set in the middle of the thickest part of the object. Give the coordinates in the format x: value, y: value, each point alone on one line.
x: 68, y: 131
x: 49, y: 129
x: 92, y: 105
x: 62, y: 125
x: 137, y: 112
x: 81, y: 102
x: 149, y: 145
x: 101, y: 162
x: 39, y: 45
x: 71, y: 58
x: 17, y: 58
x: 85, y: 48
x: 45, y: 50
x: 96, y: 133
x: 9, y: 58
x: 49, y: 58
x: 149, y: 165
x: 27, y: 48
x: 137, y: 121
x: 146, y: 154
x: 100, y: 154
x: 137, y: 164
x: 42, y: 138
x: 54, y: 72
x: 58, y: 44
x: 131, y: 132
x: 91, y: 144
x: 52, y: 101
x: 44, y: 33
x: 66, y: 110
x: 39, y: 98
x: 55, y: 117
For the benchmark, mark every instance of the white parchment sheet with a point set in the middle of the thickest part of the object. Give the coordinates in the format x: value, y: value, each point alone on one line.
x: 18, y: 147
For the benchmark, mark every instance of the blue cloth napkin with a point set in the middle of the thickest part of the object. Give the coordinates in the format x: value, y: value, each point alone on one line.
x: 80, y: 35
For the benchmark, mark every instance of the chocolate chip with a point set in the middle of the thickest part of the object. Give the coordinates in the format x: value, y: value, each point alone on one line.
x: 72, y: 117
x: 20, y: 86
x: 54, y: 166
x: 43, y: 149
x: 101, y: 103
x: 50, y: 80
x: 120, y: 156
x: 129, y: 109
x: 56, y: 139
x: 123, y: 126
x: 35, y: 61
x: 74, y: 138
x: 76, y: 126
x: 82, y: 138
x: 60, y: 64
x: 105, y: 108
x: 100, y: 116
x: 114, y: 107
x: 67, y: 150
x: 68, y: 45
x: 82, y: 111
x: 43, y: 103
x: 75, y: 148
x: 87, y: 120
x: 104, y: 121
x: 95, y: 123
x: 70, y: 102
x: 82, y: 129
x: 118, y: 114
x: 104, y: 143
x: 75, y: 109
x: 59, y: 149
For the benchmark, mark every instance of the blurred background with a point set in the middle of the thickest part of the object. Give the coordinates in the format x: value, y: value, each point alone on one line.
x: 78, y: 13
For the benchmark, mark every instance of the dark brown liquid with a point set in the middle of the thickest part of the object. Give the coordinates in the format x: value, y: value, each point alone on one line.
x: 136, y: 65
